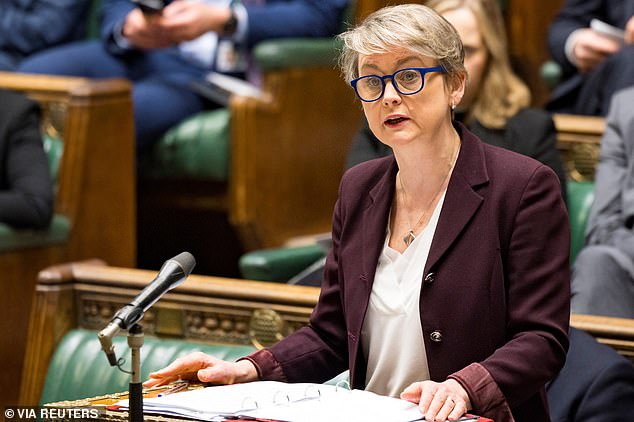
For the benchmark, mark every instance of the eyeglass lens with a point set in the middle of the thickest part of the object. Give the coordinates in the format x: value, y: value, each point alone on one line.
x: 407, y: 81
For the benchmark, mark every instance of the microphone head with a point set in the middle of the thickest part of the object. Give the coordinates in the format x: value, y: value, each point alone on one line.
x: 186, y: 261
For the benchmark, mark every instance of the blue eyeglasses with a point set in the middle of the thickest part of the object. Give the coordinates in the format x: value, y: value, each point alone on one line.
x: 406, y: 81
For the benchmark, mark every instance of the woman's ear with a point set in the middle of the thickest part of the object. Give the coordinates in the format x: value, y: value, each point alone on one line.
x: 459, y: 84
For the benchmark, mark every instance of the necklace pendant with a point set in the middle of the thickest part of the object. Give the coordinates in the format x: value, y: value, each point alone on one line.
x: 409, y: 238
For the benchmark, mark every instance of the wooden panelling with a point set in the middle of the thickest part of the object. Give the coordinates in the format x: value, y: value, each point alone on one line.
x: 86, y: 295
x: 95, y: 191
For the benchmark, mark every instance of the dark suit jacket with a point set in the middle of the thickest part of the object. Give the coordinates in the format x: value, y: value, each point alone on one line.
x: 595, y: 385
x: 495, y: 292
x: 26, y: 192
x: 27, y: 26
x: 530, y: 132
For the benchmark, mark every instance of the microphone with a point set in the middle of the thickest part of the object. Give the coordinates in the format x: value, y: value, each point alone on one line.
x: 173, y: 272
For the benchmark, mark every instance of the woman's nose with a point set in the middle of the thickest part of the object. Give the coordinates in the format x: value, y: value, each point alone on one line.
x: 390, y: 94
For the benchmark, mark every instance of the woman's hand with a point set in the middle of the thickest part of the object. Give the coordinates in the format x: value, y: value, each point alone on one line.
x: 205, y: 368
x: 438, y: 401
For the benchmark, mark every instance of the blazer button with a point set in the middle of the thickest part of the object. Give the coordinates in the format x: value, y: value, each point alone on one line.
x: 430, y: 278
x: 436, y: 336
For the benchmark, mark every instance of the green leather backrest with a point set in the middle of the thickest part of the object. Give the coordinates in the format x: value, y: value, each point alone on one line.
x: 53, y: 147
x: 278, y: 264
x: 580, y: 197
x: 79, y: 368
x: 92, y: 28
x: 197, y: 148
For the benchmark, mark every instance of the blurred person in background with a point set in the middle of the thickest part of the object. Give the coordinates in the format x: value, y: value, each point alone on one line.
x: 29, y: 26
x: 596, y: 58
x: 26, y: 190
x: 166, y: 51
x: 603, y: 272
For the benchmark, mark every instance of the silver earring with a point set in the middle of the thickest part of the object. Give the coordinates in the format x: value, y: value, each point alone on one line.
x: 453, y: 105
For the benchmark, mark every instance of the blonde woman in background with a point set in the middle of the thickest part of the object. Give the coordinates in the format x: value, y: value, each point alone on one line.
x: 496, y: 102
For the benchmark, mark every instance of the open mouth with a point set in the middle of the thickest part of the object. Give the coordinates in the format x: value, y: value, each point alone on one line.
x: 395, y: 121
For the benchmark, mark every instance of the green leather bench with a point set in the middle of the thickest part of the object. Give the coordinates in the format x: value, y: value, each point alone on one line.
x: 79, y: 368
x: 280, y: 264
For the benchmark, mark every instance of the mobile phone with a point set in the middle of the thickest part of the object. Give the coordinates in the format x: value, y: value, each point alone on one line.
x: 150, y: 7
x: 608, y: 30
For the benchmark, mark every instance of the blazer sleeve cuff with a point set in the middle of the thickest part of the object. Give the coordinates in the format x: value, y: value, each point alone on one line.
x: 269, y: 369
x: 486, y: 397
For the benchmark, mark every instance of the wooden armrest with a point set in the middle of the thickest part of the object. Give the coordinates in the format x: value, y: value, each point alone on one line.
x: 615, y: 332
x: 578, y: 140
x: 288, y: 154
x: 576, y: 128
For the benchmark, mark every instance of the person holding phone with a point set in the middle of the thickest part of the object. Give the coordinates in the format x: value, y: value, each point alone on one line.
x: 593, y: 42
x: 165, y: 46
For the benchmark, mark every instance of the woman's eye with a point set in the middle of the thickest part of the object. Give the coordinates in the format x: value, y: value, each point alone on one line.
x: 372, y: 82
x: 408, y: 77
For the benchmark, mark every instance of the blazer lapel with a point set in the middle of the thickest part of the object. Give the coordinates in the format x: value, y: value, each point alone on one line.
x: 375, y: 220
x: 461, y: 200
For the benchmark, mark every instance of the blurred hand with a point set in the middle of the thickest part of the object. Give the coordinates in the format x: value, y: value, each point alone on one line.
x: 438, y: 401
x: 185, y: 21
x: 629, y: 31
x: 591, y: 48
x: 179, y: 21
x: 205, y: 368
x: 145, y: 32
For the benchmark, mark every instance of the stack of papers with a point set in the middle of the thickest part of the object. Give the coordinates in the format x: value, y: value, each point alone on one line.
x: 301, y: 402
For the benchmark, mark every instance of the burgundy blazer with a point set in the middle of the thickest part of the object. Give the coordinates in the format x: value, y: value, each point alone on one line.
x: 494, y: 304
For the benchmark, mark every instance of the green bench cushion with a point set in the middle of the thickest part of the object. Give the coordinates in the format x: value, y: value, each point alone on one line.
x: 296, y: 53
x: 12, y: 239
x: 278, y: 264
x: 79, y: 367
x: 197, y: 148
x: 580, y: 197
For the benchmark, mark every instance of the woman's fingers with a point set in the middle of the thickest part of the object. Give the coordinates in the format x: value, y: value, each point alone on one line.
x: 185, y: 367
x: 438, y: 401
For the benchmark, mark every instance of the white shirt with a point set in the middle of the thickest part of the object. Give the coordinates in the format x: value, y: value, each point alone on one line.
x: 392, y: 335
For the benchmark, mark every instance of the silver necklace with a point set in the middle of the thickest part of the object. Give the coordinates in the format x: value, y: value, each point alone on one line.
x: 410, y: 236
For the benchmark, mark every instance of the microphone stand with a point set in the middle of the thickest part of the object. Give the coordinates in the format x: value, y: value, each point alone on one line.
x: 173, y: 272
x: 135, y: 397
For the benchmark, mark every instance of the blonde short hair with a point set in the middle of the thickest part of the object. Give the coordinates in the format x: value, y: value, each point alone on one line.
x: 411, y: 26
x: 502, y: 94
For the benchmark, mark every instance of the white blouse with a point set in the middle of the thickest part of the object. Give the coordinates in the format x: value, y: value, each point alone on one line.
x: 392, y: 335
